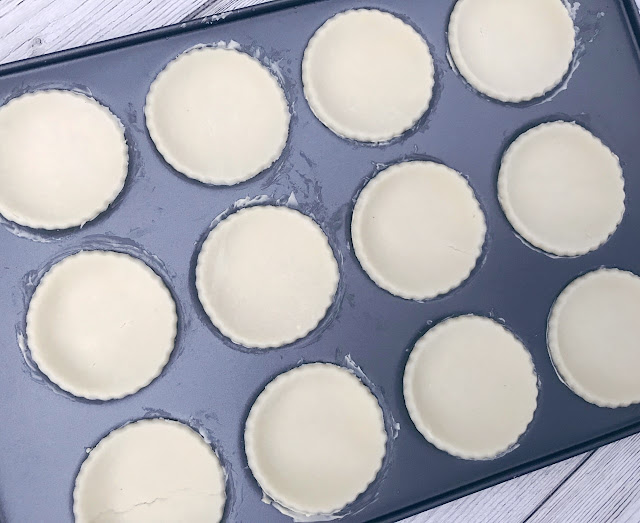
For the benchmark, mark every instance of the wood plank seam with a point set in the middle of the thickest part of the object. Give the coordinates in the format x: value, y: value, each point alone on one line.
x: 558, y: 486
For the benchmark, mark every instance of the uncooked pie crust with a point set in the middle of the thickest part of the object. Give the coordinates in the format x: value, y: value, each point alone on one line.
x: 63, y: 159
x: 150, y: 471
x: 315, y: 438
x: 593, y: 337
x: 470, y: 387
x: 512, y: 50
x: 266, y: 276
x: 217, y: 115
x: 101, y: 324
x: 418, y: 229
x: 561, y: 188
x: 367, y: 75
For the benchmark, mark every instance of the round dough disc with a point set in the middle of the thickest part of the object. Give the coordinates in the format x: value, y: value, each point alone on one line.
x: 217, y: 115
x: 512, y: 50
x: 367, y: 75
x: 593, y: 337
x: 63, y: 159
x: 149, y: 471
x: 418, y: 229
x: 470, y: 387
x: 266, y: 276
x: 315, y: 438
x: 101, y: 324
x: 561, y: 188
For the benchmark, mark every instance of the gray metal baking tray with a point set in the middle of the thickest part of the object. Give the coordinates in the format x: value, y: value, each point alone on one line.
x: 163, y: 216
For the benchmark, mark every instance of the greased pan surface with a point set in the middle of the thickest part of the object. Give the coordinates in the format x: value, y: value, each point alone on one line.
x: 163, y: 217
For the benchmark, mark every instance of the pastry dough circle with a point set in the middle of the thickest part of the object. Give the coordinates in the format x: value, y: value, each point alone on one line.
x: 148, y: 471
x: 470, y: 387
x: 101, y: 324
x: 593, y: 337
x: 315, y: 438
x: 367, y: 75
x: 266, y: 276
x: 217, y: 115
x: 512, y: 51
x: 63, y: 159
x: 561, y: 188
x: 418, y: 229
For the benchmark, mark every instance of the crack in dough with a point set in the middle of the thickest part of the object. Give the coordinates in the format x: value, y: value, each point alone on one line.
x: 111, y: 516
x: 147, y: 471
x: 417, y: 229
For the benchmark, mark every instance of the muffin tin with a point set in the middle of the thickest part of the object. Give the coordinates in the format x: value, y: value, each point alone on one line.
x: 163, y: 217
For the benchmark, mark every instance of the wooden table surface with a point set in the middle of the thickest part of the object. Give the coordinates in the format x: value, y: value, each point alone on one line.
x: 599, y: 486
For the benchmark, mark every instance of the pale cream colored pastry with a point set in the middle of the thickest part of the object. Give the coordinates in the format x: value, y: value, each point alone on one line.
x: 418, y: 229
x: 561, y: 188
x: 101, y: 324
x: 315, y: 439
x: 512, y: 50
x: 63, y: 159
x: 470, y: 387
x: 266, y: 276
x: 593, y: 337
x: 150, y: 471
x: 217, y: 115
x: 367, y: 75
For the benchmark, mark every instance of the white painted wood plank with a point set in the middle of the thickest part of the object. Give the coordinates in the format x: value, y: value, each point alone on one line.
x: 605, y: 489
x: 34, y: 27
x: 510, y: 502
